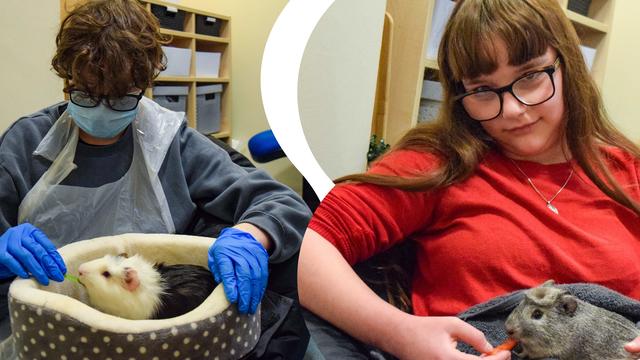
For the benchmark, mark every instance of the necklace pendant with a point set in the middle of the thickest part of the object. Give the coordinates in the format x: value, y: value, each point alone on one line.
x: 552, y: 208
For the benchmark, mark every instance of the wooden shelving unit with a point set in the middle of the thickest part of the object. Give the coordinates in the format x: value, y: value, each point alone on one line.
x: 189, y: 39
x: 408, y: 66
x: 431, y: 64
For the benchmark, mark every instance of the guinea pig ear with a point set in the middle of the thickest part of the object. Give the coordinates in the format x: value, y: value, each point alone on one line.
x: 548, y: 283
x: 568, y: 305
x: 131, y: 280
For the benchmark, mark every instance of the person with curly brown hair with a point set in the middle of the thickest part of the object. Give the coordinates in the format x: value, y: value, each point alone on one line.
x: 111, y: 161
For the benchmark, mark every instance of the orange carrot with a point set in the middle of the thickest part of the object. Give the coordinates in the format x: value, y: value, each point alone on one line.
x: 507, y: 345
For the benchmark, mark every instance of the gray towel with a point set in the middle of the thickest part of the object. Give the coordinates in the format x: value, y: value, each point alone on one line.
x: 489, y: 317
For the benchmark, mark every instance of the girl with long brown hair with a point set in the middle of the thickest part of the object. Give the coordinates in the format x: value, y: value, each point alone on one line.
x: 522, y: 178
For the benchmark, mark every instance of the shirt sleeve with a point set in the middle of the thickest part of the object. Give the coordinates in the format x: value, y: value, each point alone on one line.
x: 237, y: 194
x: 626, y: 169
x: 19, y: 169
x: 8, y: 200
x: 361, y: 220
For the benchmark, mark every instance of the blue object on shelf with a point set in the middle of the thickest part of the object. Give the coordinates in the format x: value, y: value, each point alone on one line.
x: 264, y: 147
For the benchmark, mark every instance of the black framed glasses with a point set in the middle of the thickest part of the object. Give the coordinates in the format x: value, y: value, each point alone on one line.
x: 86, y: 100
x: 532, y: 88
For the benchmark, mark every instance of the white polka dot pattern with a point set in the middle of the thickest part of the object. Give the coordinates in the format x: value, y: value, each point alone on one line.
x: 41, y: 333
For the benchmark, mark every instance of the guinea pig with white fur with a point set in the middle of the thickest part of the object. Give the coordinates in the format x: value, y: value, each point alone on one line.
x: 134, y: 288
x: 551, y: 323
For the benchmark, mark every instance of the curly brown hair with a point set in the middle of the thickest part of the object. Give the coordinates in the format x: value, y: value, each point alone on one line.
x: 106, y: 47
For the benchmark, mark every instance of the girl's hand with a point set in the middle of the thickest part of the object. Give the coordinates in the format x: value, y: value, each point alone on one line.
x: 436, y: 338
x: 633, y: 346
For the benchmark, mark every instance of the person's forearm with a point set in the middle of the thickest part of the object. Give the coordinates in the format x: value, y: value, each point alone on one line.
x: 329, y: 287
x: 262, y: 237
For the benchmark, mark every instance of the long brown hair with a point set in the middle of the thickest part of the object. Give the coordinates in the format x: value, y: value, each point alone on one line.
x: 529, y: 27
x: 109, y: 46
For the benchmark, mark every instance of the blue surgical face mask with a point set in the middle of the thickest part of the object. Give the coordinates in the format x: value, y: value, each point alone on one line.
x: 100, y: 121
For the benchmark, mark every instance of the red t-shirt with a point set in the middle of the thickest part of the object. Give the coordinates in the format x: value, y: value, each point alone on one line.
x: 492, y: 233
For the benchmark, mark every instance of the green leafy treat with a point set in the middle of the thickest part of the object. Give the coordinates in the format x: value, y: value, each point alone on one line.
x: 72, y: 278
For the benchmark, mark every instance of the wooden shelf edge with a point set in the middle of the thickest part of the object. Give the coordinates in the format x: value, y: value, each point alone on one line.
x: 587, y: 22
x: 431, y: 64
x: 176, y: 33
x: 216, y: 39
x: 189, y: 35
x: 174, y: 78
x: 221, y: 134
x: 212, y: 79
x: 187, y: 9
x: 192, y: 79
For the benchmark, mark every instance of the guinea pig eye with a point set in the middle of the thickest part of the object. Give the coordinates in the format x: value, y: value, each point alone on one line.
x: 536, y: 314
x: 106, y: 274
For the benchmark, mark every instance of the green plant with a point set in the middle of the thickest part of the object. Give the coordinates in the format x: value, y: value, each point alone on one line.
x: 376, y: 148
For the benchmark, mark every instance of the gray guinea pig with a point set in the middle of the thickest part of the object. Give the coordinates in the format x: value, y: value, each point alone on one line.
x: 551, y: 323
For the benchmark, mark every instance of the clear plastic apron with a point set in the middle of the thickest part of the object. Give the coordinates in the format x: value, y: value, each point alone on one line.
x: 134, y: 203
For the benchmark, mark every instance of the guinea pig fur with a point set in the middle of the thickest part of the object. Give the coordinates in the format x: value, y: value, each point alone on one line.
x: 551, y: 323
x: 186, y: 287
x: 134, y: 288
x: 128, y: 287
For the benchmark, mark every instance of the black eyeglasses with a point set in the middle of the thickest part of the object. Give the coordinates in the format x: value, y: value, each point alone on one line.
x: 532, y: 88
x: 86, y: 100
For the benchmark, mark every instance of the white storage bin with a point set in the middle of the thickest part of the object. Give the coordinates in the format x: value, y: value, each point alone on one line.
x: 178, y: 61
x: 430, y: 101
x: 208, y: 63
x: 208, y: 108
x: 589, y: 54
x: 171, y: 97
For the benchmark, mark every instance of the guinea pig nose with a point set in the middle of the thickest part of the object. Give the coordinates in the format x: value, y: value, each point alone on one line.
x: 510, y: 332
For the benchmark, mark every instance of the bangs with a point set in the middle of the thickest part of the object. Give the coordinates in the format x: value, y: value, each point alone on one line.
x: 479, y: 24
x: 101, y: 73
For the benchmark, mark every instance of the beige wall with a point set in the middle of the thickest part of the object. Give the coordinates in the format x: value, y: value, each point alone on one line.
x: 621, y: 87
x: 27, y: 44
x: 28, y: 29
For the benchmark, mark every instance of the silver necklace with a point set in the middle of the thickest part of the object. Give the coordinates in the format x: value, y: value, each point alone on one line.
x: 549, y: 204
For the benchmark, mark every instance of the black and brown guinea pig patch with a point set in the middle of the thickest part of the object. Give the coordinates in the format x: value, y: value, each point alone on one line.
x: 41, y: 333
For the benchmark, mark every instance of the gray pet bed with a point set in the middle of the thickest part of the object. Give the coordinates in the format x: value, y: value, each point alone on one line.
x: 55, y: 322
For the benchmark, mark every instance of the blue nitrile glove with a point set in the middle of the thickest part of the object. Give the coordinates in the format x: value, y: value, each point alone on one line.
x: 25, y: 249
x: 240, y: 262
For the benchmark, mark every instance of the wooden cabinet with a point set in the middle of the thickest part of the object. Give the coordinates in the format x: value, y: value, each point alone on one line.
x: 406, y: 64
x: 188, y: 38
